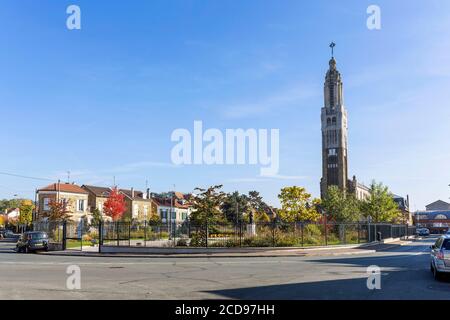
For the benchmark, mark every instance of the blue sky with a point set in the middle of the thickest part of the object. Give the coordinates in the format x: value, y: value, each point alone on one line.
x: 103, y: 101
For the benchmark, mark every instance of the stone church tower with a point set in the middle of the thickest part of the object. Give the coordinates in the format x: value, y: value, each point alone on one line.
x: 334, y: 132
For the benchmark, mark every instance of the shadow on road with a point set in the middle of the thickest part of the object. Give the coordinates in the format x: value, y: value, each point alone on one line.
x: 343, y: 289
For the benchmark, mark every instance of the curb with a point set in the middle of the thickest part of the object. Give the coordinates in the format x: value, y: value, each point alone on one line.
x: 300, y: 254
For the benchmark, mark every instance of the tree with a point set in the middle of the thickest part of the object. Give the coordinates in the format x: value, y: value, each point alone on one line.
x: 97, y: 217
x: 206, y: 205
x: 260, y: 210
x: 341, y: 206
x: 9, y: 204
x: 26, y: 212
x: 380, y: 206
x: 3, y: 220
x: 154, y: 220
x: 297, y: 205
x: 236, y: 207
x: 58, y: 210
x: 115, y: 206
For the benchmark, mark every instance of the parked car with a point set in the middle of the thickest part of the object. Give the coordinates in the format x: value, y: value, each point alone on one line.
x: 32, y: 241
x: 8, y: 234
x: 423, y: 232
x: 440, y: 257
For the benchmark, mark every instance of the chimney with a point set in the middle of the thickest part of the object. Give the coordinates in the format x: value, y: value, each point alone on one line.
x: 132, y: 192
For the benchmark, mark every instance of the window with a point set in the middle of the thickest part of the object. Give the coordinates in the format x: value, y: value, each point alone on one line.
x: 145, y: 210
x: 46, y: 204
x: 135, y: 210
x: 184, y: 216
x: 174, y: 215
x: 328, y: 121
x: 441, y: 217
x: 334, y: 121
x: 163, y: 213
x: 80, y: 205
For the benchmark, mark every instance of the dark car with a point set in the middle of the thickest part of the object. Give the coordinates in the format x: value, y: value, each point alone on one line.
x: 423, y: 232
x: 32, y: 241
x: 8, y: 234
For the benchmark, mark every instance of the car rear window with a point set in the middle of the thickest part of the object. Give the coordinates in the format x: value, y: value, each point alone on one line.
x: 446, y: 244
x: 38, y: 235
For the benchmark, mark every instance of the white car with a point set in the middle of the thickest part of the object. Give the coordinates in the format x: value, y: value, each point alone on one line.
x: 440, y: 257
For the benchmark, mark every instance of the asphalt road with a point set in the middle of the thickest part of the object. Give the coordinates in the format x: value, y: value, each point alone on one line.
x: 404, y: 275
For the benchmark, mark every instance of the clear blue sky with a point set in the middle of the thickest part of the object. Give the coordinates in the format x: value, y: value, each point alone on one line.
x: 103, y: 101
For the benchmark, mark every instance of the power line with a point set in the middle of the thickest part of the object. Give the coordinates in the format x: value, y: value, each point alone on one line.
x: 24, y: 177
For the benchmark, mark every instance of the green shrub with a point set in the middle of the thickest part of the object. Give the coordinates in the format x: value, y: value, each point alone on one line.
x: 182, y: 243
x: 198, y: 239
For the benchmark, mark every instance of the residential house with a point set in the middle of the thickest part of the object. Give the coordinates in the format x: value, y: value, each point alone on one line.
x: 403, y: 205
x: 97, y: 197
x: 173, y: 207
x: 75, y: 198
x: 138, y: 204
x: 12, y: 214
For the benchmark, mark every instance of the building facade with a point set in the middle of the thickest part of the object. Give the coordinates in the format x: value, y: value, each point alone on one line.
x: 334, y: 132
x: 74, y: 197
x: 438, y: 205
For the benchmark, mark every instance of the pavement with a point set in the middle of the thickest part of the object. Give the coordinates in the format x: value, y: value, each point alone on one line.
x: 242, y: 252
x: 404, y: 275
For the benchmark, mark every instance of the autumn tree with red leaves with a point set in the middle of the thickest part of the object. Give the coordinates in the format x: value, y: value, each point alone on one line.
x: 115, y: 206
x: 59, y: 210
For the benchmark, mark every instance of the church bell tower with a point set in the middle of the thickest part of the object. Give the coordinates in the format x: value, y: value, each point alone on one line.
x: 334, y: 131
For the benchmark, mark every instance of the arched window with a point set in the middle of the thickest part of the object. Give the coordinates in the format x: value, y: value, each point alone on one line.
x: 334, y: 120
x: 441, y: 217
x: 328, y: 121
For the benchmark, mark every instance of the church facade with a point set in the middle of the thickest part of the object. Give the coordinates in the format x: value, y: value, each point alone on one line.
x: 335, y: 138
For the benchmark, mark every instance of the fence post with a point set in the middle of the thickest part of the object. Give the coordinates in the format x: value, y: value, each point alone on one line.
x: 345, y: 236
x: 206, y: 235
x: 273, y: 233
x: 240, y: 233
x: 100, y: 236
x: 129, y: 234
x: 64, y: 239
x: 117, y: 233
x: 302, y: 229
x: 145, y: 233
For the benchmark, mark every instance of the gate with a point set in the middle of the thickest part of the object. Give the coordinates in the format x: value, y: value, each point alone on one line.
x: 81, y: 236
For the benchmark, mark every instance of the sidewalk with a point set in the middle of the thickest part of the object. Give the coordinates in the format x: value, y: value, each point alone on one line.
x: 247, y: 252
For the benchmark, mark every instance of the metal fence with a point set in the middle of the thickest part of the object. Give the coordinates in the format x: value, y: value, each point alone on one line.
x: 82, y: 236
x: 55, y: 231
x: 191, y: 234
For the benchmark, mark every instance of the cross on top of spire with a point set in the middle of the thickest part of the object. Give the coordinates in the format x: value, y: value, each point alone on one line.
x: 332, y: 45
